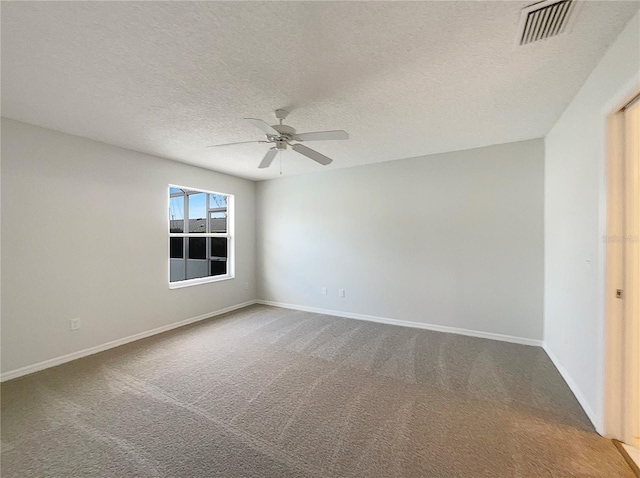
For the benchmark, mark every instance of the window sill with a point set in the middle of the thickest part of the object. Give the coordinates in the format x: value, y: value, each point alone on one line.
x: 198, y: 281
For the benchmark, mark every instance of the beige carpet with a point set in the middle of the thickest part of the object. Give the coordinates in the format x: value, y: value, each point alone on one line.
x: 268, y: 392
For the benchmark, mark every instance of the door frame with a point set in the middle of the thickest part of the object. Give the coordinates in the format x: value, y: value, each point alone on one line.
x: 622, y: 397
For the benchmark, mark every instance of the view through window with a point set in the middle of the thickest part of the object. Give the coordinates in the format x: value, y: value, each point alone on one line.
x: 200, y: 242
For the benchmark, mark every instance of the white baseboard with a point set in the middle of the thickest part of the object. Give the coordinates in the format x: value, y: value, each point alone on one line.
x: 36, y: 367
x: 595, y: 421
x: 407, y: 323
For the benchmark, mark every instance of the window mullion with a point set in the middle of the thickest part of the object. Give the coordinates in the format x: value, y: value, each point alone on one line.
x: 207, y: 245
x: 185, y: 228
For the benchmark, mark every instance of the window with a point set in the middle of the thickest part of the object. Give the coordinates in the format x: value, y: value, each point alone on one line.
x: 200, y: 236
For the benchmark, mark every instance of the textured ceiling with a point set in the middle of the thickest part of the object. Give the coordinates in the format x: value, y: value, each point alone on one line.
x: 403, y: 78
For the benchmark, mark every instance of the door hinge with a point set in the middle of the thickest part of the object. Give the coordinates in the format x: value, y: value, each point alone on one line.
x: 618, y: 293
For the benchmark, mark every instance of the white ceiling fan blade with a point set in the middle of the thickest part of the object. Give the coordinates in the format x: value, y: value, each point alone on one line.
x: 311, y: 154
x: 231, y: 144
x: 258, y: 123
x: 268, y: 158
x: 323, y: 135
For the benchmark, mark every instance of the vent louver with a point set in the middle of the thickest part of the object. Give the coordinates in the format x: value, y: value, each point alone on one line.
x: 545, y: 20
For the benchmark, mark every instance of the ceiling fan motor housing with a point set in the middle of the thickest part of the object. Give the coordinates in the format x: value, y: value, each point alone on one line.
x: 281, y: 145
x: 285, y: 131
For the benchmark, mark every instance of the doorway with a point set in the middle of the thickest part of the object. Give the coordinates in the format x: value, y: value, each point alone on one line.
x: 622, y: 417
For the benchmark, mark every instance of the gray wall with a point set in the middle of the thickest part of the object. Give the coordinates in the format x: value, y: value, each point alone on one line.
x: 84, y: 234
x: 451, y: 239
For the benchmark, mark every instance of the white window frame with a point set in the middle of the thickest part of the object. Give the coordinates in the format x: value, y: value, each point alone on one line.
x: 230, y: 235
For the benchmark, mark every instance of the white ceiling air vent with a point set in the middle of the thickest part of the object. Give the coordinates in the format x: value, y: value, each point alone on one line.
x: 544, y: 20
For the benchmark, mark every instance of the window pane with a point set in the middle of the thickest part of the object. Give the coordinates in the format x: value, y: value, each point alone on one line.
x: 176, y: 247
x: 218, y: 247
x: 217, y: 201
x: 197, y: 248
x: 176, y: 214
x: 218, y: 213
x: 218, y: 268
x: 176, y: 270
x: 197, y: 262
x: 196, y: 269
x: 197, y: 212
x: 218, y: 221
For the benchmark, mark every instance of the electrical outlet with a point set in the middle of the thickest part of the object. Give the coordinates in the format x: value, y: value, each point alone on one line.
x: 324, y: 291
x: 341, y: 293
x: 74, y: 324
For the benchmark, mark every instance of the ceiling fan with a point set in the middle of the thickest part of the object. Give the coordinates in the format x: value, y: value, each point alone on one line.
x: 282, y: 135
